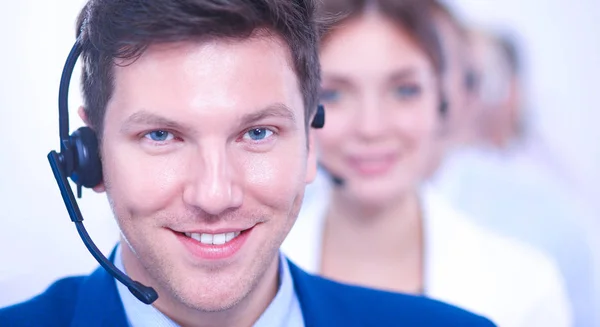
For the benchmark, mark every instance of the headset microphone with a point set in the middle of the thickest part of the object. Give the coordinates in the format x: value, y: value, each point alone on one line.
x: 79, y: 159
x: 337, y: 181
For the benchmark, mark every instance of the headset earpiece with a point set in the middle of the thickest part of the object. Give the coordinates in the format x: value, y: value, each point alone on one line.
x: 319, y: 120
x: 87, y: 167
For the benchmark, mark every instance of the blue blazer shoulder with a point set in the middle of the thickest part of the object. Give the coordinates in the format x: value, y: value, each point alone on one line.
x: 93, y: 301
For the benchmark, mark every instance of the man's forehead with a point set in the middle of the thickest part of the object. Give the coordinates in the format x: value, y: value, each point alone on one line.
x: 256, y: 57
x: 237, y: 80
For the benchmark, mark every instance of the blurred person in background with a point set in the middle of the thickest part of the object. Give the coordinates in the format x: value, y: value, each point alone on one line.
x: 497, y: 110
x: 458, y: 83
x: 503, y: 176
x: 367, y: 220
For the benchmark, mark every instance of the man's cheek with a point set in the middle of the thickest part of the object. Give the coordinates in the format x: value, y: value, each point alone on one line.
x: 272, y: 177
x: 142, y: 188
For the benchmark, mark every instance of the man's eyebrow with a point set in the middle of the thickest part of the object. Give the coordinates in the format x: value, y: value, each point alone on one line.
x: 275, y: 110
x: 150, y: 119
x: 147, y: 118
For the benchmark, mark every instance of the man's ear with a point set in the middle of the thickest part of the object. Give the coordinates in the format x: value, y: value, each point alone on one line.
x: 83, y: 116
x: 311, y: 164
x: 81, y: 111
x: 99, y: 188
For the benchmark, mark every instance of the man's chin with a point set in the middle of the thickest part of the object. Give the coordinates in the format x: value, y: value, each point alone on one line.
x: 213, y: 300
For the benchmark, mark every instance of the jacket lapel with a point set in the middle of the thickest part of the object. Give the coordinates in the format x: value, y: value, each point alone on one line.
x: 98, y: 302
x: 320, y: 307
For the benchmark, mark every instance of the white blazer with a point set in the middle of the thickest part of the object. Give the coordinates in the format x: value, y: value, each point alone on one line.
x: 465, y: 265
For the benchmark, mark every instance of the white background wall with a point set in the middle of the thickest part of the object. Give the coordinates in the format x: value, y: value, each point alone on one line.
x: 561, y: 48
x: 38, y: 242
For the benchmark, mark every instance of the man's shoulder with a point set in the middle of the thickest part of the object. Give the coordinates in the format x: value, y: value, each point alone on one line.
x: 364, y: 306
x: 54, y: 307
x: 72, y: 301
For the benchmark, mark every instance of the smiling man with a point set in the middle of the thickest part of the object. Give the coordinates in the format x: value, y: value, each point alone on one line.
x: 202, y: 110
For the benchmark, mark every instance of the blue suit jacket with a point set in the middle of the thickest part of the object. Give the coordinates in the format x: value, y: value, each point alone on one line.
x: 93, y: 301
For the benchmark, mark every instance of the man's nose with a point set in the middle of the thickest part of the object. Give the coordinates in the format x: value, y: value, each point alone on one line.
x: 213, y: 186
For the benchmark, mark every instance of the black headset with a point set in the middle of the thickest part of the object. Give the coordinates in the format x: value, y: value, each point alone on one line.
x: 443, y: 107
x: 79, y: 159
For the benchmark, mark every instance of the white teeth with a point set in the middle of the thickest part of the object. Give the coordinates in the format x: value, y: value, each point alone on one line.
x: 219, y: 239
x: 196, y: 236
x: 216, y: 239
x: 206, y: 239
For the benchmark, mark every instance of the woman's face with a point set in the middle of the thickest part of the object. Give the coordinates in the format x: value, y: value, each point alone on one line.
x: 381, y: 98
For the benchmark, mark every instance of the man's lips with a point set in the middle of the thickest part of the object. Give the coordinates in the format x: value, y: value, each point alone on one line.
x: 214, y: 236
x: 223, y: 244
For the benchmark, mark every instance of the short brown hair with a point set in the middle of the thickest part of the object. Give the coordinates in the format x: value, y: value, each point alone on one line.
x: 414, y: 16
x: 124, y: 29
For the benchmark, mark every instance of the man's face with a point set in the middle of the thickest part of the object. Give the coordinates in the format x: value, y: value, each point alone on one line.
x: 205, y: 161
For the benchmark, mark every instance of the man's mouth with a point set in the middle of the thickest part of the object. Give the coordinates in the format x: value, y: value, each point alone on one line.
x: 213, y: 239
x: 214, y: 244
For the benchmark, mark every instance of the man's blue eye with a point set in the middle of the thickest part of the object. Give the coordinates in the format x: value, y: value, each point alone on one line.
x: 329, y: 95
x: 407, y: 91
x: 159, y: 136
x: 258, y: 134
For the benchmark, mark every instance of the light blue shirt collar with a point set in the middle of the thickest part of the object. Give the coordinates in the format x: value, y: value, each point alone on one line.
x: 284, y: 310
